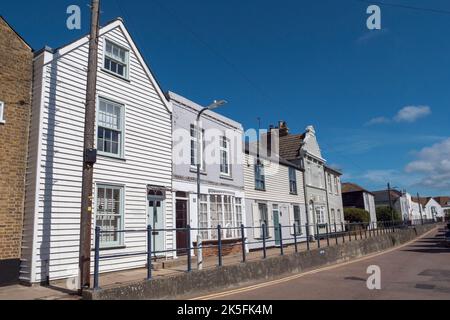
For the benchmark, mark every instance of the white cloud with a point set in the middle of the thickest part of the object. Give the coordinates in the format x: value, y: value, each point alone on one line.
x: 379, y: 176
x: 378, y: 120
x: 408, y: 114
x: 434, y: 163
x: 412, y: 113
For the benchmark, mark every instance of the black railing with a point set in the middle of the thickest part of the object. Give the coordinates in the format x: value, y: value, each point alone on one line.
x: 323, y: 233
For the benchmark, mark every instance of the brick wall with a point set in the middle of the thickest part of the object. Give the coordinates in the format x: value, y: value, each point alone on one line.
x: 15, y: 87
x: 210, y: 249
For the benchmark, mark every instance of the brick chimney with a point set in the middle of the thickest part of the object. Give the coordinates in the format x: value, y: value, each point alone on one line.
x: 283, y: 129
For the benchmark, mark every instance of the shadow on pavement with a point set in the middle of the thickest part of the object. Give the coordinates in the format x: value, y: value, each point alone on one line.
x: 430, y: 245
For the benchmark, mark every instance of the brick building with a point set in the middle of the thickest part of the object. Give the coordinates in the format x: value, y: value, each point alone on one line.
x: 15, y: 90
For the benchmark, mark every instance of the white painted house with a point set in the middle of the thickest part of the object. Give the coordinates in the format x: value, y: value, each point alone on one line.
x: 322, y: 184
x: 222, y: 182
x: 133, y: 173
x: 431, y: 208
x: 275, y: 195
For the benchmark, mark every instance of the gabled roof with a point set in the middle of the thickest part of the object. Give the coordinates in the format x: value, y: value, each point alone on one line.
x: 251, y: 149
x: 383, y: 195
x: 332, y: 170
x: 423, y: 201
x: 14, y: 30
x: 117, y: 23
x: 178, y: 99
x: 443, y: 201
x: 290, y: 146
x: 348, y: 187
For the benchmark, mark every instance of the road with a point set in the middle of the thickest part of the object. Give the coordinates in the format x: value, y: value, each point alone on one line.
x: 418, y: 270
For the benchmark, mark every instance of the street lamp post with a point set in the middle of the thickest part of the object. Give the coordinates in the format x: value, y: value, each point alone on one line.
x: 216, y: 104
x: 420, y: 207
x: 390, y: 202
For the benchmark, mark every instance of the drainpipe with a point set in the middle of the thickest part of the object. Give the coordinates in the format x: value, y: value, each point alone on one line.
x: 328, y: 200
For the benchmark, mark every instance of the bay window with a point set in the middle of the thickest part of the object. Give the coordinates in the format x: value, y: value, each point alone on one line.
x: 223, y: 210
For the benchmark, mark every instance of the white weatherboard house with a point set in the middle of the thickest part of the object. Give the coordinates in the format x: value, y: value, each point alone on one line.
x: 133, y: 173
x: 275, y: 195
x: 322, y: 184
x: 222, y: 181
x: 431, y: 209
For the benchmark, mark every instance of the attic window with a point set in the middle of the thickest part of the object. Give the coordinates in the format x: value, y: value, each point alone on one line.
x: 116, y: 59
x: 2, y: 107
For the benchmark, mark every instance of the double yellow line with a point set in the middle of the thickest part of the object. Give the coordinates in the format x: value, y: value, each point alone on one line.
x: 301, y: 275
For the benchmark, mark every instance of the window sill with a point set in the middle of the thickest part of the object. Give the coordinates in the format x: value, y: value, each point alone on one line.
x: 225, y: 177
x: 115, y: 75
x: 293, y: 193
x: 118, y: 247
x: 2, y: 122
x: 261, y: 238
x: 111, y: 156
x: 203, y: 173
x: 258, y: 189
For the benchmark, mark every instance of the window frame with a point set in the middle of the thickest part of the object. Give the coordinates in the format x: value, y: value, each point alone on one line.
x: 261, y: 178
x: 238, y: 203
x: 336, y: 185
x: 120, y: 243
x: 330, y: 183
x: 320, y: 215
x: 121, y: 148
x: 2, y: 113
x: 227, y: 151
x: 299, y: 230
x: 293, y: 187
x: 193, y: 154
x: 264, y: 221
x: 127, y: 58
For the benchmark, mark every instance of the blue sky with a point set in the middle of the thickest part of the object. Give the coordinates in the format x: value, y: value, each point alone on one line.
x: 306, y: 62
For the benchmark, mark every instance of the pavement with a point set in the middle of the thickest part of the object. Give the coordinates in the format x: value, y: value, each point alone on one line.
x: 20, y: 292
x: 418, y: 270
x: 59, y: 291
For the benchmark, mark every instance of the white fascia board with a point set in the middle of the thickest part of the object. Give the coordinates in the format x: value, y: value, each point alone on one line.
x: 103, y: 31
x: 196, y: 107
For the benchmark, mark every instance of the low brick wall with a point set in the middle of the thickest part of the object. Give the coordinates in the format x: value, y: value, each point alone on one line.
x: 200, y: 282
x: 229, y: 247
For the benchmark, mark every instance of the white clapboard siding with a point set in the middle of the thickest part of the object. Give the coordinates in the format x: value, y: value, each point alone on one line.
x: 31, y: 179
x: 277, y: 193
x: 277, y: 184
x: 53, y: 213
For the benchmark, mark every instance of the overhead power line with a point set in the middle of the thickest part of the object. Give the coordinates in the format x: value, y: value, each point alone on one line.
x: 402, y: 6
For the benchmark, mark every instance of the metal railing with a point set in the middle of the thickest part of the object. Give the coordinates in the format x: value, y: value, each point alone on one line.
x: 267, y: 237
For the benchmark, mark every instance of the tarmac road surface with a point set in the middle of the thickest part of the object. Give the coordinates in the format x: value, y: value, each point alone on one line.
x: 418, y: 270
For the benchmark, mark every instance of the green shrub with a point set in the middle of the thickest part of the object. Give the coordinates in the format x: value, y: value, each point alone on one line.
x: 355, y: 215
x: 385, y: 214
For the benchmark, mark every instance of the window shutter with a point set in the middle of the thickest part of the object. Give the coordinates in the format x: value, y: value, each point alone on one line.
x: 256, y: 223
